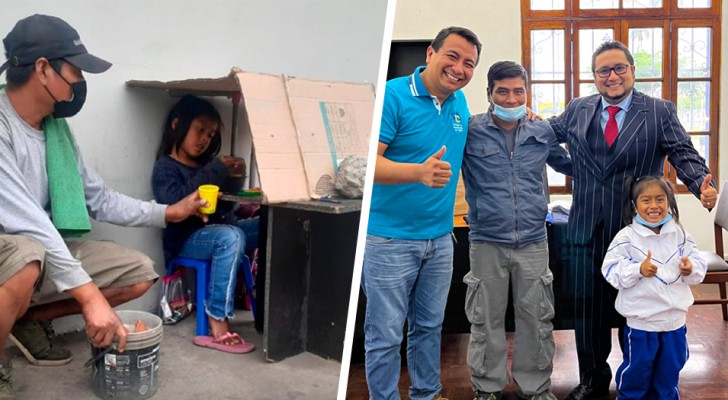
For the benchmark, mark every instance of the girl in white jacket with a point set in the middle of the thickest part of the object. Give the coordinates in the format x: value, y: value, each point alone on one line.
x: 651, y: 262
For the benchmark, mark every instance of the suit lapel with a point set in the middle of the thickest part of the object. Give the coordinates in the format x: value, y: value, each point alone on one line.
x: 633, y: 121
x: 586, y: 114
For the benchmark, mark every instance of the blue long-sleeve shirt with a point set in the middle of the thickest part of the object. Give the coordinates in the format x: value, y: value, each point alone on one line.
x: 172, y: 181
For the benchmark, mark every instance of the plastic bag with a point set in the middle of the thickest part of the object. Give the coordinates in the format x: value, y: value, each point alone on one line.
x: 350, y: 177
x: 176, y: 302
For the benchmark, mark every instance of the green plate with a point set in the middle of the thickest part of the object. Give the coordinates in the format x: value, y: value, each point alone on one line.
x: 250, y: 193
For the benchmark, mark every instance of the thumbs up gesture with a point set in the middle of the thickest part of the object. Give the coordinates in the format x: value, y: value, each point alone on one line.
x: 686, y: 267
x: 435, y: 172
x: 647, y: 268
x: 708, y: 194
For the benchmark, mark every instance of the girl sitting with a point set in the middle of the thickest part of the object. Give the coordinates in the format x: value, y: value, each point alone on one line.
x: 186, y: 159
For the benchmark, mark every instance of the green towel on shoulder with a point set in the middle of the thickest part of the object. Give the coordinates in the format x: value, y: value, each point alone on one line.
x: 68, y: 202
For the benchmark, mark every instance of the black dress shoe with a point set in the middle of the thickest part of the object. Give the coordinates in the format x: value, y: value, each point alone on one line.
x: 584, y: 392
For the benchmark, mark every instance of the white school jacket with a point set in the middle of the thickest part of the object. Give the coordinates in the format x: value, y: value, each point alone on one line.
x: 659, y: 303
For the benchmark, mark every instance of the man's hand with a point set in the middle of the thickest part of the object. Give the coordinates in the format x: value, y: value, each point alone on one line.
x: 686, y: 267
x: 102, y: 323
x: 435, y: 172
x: 186, y: 207
x: 708, y: 194
x: 531, y: 115
x: 647, y: 268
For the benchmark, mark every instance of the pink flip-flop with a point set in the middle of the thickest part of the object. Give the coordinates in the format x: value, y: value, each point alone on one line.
x: 219, y: 343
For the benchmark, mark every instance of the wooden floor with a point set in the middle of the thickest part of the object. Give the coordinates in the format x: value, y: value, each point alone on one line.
x: 705, y: 376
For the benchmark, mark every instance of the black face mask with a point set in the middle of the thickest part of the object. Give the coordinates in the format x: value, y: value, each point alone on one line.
x: 65, y: 109
x: 69, y: 108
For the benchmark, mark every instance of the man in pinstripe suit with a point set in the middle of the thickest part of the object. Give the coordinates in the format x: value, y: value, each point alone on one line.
x: 607, y: 144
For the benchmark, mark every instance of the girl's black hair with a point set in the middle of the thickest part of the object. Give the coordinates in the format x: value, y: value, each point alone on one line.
x: 633, y: 186
x: 185, y: 111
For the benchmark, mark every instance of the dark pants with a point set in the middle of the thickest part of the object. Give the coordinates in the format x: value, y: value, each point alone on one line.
x: 593, y: 310
x: 651, y: 364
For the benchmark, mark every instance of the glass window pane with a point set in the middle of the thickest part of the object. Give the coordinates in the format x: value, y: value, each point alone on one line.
x: 547, y: 54
x: 555, y: 178
x: 548, y: 99
x: 702, y: 145
x: 646, y: 47
x: 693, y: 105
x: 693, y: 3
x: 598, y: 4
x: 589, y: 40
x: 547, y: 4
x: 642, y: 4
x: 587, y: 89
x: 653, y: 89
x: 693, y: 52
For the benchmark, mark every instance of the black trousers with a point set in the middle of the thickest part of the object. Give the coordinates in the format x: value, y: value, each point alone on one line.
x: 594, y: 313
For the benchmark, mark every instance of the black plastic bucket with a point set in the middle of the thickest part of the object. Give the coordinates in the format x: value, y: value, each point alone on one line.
x: 133, y: 374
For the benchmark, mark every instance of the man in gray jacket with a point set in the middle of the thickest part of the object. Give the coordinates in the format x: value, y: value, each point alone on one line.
x: 45, y: 60
x: 505, y: 155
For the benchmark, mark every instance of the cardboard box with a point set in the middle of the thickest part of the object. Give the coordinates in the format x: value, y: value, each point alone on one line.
x: 301, y: 129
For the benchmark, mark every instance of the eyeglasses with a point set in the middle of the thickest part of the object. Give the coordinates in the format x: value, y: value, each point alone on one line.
x: 619, y: 69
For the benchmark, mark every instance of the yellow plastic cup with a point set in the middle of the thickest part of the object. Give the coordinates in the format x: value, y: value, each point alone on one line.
x: 209, y: 193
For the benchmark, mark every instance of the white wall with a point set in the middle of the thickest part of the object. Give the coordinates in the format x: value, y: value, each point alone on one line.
x: 119, y: 128
x: 498, y: 25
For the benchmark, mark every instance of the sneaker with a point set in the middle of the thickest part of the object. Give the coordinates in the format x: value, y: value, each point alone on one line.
x: 33, y: 338
x: 488, y: 396
x: 439, y: 397
x: 6, y: 384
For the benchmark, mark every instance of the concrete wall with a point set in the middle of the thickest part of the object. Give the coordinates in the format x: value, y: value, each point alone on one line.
x: 498, y: 25
x: 119, y: 128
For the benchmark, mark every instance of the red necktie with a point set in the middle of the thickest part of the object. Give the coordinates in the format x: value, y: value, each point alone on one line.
x: 611, y: 130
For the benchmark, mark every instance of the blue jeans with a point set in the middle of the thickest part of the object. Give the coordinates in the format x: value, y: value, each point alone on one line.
x: 224, y: 245
x: 405, y: 278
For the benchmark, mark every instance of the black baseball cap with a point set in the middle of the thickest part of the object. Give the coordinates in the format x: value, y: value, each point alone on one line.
x: 50, y: 37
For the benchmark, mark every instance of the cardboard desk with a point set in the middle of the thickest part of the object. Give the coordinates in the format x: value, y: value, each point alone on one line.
x: 298, y: 130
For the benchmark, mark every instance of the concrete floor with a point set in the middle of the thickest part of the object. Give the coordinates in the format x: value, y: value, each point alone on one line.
x: 188, y: 371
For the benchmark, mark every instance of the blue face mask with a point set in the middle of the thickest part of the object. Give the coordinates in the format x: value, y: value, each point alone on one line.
x: 509, y: 114
x: 642, y: 221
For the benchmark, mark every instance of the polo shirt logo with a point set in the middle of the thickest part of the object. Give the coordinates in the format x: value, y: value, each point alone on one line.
x: 457, y: 125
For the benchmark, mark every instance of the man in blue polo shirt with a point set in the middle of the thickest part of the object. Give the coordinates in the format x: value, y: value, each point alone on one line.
x: 408, y: 255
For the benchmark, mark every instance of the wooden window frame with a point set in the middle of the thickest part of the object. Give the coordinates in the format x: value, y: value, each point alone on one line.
x: 669, y: 17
